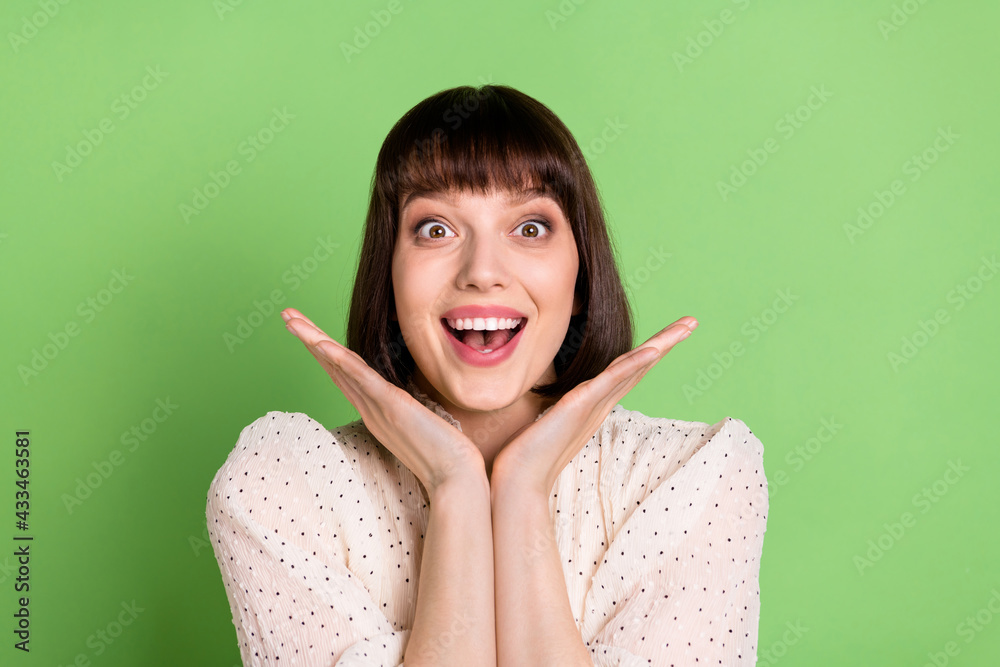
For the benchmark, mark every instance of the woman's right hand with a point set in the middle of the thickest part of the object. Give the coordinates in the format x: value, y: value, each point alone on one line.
x: 432, y: 449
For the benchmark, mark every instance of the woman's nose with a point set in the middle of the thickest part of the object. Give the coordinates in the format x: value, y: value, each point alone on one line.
x: 483, y: 265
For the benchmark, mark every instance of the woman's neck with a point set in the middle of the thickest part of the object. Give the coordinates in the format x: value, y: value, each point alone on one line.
x: 489, y: 430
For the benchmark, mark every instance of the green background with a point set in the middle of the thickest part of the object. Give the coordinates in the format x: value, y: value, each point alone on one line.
x: 673, y: 129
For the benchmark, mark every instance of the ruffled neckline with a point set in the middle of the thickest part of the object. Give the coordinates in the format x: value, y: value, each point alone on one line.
x: 437, y: 409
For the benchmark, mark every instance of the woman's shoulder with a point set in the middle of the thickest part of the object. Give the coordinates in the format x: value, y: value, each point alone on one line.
x: 667, y: 444
x: 294, y: 433
x: 632, y: 421
x: 293, y: 442
x: 691, y: 465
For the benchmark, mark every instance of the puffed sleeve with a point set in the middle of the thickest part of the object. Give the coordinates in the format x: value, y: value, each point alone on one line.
x: 679, y: 582
x: 293, y: 596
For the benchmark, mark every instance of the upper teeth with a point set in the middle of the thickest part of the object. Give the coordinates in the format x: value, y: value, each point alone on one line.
x: 484, y: 323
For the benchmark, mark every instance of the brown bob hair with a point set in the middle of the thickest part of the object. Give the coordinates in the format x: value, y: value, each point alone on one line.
x: 477, y: 140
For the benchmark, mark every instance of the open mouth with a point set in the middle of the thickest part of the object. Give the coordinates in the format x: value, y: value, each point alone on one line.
x: 485, y: 340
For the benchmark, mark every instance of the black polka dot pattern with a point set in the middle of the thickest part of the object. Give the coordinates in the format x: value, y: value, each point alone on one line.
x: 659, y: 524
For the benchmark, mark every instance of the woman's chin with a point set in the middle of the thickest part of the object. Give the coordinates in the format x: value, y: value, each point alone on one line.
x: 479, y: 395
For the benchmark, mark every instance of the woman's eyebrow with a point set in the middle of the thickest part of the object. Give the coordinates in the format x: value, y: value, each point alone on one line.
x: 440, y: 196
x: 515, y: 199
x: 527, y: 195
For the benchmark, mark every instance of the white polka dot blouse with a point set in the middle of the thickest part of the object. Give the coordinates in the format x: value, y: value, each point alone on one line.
x: 659, y: 524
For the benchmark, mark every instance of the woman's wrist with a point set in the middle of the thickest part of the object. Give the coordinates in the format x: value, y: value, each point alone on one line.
x: 460, y: 479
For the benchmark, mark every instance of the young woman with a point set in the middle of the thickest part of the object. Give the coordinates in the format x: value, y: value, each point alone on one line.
x: 494, y: 505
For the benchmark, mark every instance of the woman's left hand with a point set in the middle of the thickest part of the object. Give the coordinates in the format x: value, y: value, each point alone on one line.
x: 535, y: 456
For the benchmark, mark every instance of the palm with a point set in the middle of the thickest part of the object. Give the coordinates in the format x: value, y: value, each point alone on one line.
x: 425, y: 443
x: 538, y: 453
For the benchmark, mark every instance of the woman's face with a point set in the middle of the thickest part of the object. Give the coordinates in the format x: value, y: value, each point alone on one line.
x: 462, y: 257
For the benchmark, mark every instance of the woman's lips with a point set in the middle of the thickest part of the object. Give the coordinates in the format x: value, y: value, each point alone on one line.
x: 474, y: 357
x: 470, y: 332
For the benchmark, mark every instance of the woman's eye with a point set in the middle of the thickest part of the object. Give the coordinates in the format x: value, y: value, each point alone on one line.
x: 436, y: 230
x: 535, y: 228
x: 432, y: 229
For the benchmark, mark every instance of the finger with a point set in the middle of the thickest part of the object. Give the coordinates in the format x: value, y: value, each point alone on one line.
x: 595, y: 398
x: 313, y: 339
x: 610, y: 385
x: 631, y: 377
x: 336, y: 358
x: 341, y: 364
x: 309, y: 333
x: 626, y: 371
x: 371, y: 392
x: 626, y: 384
x: 365, y: 388
x: 312, y: 336
x: 333, y: 367
x: 662, y: 340
x: 289, y: 313
x: 685, y: 324
x: 639, y: 355
x: 670, y: 336
x: 347, y: 368
x: 305, y: 332
x: 299, y: 325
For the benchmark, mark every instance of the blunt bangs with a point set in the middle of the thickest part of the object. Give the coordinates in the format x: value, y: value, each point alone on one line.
x: 468, y: 139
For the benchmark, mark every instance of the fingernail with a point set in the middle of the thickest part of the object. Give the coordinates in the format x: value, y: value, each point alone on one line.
x: 684, y: 335
x: 285, y: 316
x: 694, y: 326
